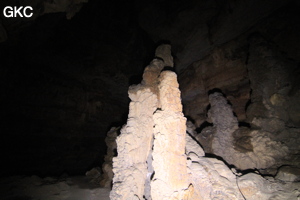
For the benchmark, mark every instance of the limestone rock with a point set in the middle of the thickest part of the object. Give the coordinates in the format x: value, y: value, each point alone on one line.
x: 94, y: 175
x: 111, y: 144
x: 225, y: 123
x: 133, y: 166
x: 158, y: 160
x: 164, y: 52
x: 193, y: 147
x: 242, y: 147
x: 201, y: 31
x: 224, y: 69
x: 272, y: 125
x: 254, y: 186
x: 210, y: 177
x: 134, y: 145
x: 288, y: 173
x: 191, y: 128
x: 270, y: 74
x: 170, y: 180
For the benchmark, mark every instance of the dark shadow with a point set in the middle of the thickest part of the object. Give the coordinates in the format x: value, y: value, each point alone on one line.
x: 207, y: 109
x: 168, y: 69
x: 215, y: 90
x: 152, y: 175
x: 202, y: 126
x: 19, y: 197
x: 249, y: 101
x: 234, y: 114
x: 210, y: 155
x: 188, y: 118
x: 135, y: 79
x: 115, y: 152
x: 160, y: 42
x: 248, y: 104
x: 119, y: 123
x: 244, y: 124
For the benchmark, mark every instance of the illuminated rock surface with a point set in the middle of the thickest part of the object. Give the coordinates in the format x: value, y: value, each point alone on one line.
x: 135, y: 143
x: 156, y: 158
x: 254, y: 187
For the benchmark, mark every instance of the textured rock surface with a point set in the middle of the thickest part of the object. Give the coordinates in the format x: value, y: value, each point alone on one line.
x: 226, y: 66
x: 111, y: 152
x: 288, y: 173
x: 274, y: 93
x: 153, y: 147
x: 269, y: 138
x: 253, y: 187
x: 271, y: 83
x: 148, y: 165
x: 242, y: 147
x: 225, y: 123
x: 170, y: 180
x: 224, y: 69
x: 134, y: 145
x: 201, y: 31
x: 212, y: 179
x: 158, y: 158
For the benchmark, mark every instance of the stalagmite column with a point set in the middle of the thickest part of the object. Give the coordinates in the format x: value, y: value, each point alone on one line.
x: 225, y: 123
x: 155, y: 121
x: 134, y: 145
x: 169, y: 160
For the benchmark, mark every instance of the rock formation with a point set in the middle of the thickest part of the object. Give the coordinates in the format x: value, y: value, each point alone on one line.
x: 170, y: 180
x: 259, y: 128
x: 159, y: 159
x: 254, y: 186
x: 134, y: 145
x: 156, y: 158
x: 224, y: 69
x: 242, y: 147
x: 147, y: 163
x: 111, y: 144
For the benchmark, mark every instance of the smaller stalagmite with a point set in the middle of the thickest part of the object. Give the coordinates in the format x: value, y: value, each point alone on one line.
x: 243, y: 147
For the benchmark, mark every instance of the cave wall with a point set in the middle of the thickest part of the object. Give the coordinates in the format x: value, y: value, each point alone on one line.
x: 229, y: 67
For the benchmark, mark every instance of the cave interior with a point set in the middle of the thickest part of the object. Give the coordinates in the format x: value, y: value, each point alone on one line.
x: 65, y: 74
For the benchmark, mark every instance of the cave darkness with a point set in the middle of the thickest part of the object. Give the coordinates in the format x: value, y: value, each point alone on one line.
x: 64, y: 82
x: 65, y: 85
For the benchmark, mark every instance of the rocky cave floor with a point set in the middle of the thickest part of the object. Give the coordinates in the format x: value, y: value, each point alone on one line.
x: 50, y: 188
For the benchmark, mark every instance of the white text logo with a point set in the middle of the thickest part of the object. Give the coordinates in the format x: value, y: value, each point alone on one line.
x: 15, y: 11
